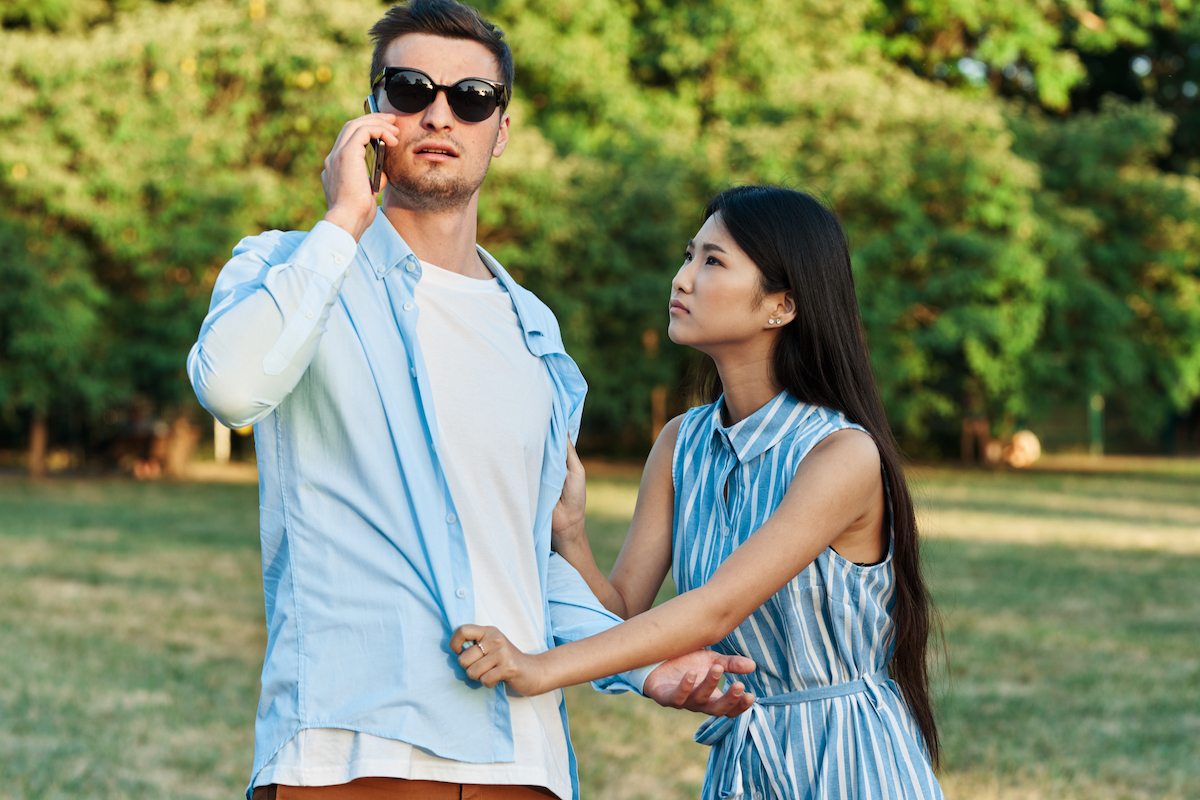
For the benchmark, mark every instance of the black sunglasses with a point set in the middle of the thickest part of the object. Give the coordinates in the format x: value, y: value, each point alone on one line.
x: 471, y: 99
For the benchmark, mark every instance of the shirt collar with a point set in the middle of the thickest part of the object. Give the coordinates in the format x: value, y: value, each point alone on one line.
x: 762, y: 430
x: 385, y: 249
x: 530, y: 321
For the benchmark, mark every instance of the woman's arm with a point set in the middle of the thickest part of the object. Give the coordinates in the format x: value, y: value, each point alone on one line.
x: 646, y: 554
x: 837, y: 492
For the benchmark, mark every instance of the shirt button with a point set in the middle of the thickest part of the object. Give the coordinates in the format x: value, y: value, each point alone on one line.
x: 411, y: 267
x: 338, y: 259
x: 461, y: 593
x: 451, y: 518
x: 408, y: 306
x: 412, y: 371
x: 309, y: 314
x: 347, y: 273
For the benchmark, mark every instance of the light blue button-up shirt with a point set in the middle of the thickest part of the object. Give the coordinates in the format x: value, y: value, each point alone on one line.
x: 311, y: 338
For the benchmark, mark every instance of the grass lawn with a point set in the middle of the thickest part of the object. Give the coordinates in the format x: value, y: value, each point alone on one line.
x: 131, y: 639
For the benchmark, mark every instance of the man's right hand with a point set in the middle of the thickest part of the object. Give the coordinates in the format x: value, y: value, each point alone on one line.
x: 347, y: 185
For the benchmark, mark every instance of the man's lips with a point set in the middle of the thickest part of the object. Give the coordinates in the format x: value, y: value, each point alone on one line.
x: 435, y: 150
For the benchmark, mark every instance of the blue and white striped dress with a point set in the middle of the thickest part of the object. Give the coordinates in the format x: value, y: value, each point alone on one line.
x: 828, y: 722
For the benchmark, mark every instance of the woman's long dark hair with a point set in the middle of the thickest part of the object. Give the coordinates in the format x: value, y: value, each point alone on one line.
x: 821, y: 358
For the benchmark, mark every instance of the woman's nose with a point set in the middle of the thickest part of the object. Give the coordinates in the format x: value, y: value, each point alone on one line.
x: 682, y: 282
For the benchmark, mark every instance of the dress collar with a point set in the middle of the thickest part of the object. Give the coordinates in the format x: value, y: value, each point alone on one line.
x: 762, y: 430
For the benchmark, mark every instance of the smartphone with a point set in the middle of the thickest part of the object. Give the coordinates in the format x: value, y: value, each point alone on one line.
x: 375, y: 151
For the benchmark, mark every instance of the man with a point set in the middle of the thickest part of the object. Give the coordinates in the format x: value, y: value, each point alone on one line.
x: 411, y: 408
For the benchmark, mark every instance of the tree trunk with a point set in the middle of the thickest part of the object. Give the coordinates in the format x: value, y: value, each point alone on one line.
x: 37, y: 445
x: 658, y: 411
x: 221, y: 442
x: 181, y: 442
x: 976, y: 436
x: 1096, y: 425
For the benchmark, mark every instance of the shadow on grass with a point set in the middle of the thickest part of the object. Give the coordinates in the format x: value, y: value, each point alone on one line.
x: 118, y: 515
x: 1070, y: 663
x: 131, y: 638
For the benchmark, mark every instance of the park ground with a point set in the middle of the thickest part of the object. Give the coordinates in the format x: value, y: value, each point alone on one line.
x: 131, y: 637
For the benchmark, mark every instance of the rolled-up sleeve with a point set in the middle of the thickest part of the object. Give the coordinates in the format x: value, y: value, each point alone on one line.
x: 576, y: 613
x: 268, y: 311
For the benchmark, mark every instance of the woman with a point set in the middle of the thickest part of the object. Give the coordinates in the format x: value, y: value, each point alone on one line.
x: 782, y: 511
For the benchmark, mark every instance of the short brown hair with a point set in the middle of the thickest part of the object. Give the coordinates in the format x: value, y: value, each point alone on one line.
x: 446, y: 18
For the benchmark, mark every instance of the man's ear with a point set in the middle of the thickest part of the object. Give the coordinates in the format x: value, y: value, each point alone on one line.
x: 502, y: 136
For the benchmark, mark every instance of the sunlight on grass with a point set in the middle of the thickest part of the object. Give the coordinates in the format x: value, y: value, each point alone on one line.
x: 1071, y: 607
x: 611, y: 500
x: 131, y: 639
x: 1104, y: 510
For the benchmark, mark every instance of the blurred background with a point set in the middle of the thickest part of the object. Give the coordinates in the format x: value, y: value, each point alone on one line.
x: 1020, y: 183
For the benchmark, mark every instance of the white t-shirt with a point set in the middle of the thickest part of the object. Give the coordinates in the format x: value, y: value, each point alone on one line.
x: 493, y: 400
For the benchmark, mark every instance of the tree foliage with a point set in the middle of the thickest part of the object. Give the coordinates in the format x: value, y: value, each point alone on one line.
x: 1017, y: 241
x: 1122, y: 244
x: 52, y: 345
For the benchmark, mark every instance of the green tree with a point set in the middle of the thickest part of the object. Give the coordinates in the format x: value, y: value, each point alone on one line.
x: 161, y: 134
x: 1033, y: 48
x: 51, y: 324
x: 1122, y: 244
x: 1065, y: 55
x: 695, y: 96
x: 158, y: 133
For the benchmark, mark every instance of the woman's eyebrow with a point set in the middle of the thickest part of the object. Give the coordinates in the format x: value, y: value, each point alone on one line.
x: 711, y: 246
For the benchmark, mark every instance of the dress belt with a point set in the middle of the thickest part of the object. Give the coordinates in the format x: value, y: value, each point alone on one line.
x: 753, y: 723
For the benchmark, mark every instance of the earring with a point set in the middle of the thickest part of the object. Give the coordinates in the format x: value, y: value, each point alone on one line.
x: 774, y: 321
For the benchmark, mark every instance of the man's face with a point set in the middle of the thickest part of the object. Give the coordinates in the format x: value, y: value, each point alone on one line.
x: 441, y: 160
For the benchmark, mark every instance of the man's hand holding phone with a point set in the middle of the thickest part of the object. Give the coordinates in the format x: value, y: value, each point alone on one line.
x: 348, y: 192
x: 376, y: 150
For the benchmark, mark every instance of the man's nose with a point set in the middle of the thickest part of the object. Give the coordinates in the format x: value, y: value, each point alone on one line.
x: 438, y: 115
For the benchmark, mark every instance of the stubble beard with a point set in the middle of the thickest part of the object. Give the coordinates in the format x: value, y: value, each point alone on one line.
x: 431, y: 187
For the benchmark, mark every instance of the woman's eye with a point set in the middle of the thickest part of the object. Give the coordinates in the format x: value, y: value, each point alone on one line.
x: 687, y: 257
x: 712, y: 260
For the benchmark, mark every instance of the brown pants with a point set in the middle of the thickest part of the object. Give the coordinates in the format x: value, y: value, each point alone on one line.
x: 399, y: 789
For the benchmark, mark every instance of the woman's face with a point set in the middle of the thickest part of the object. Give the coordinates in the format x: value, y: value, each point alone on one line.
x: 716, y: 297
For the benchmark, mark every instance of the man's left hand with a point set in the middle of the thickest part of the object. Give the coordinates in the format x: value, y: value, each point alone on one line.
x: 677, y: 683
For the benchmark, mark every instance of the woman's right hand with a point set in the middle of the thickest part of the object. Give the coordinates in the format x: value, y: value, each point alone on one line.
x: 492, y: 658
x: 568, y: 530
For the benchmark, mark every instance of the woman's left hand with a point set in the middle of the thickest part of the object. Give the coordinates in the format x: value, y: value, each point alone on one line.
x: 492, y: 658
x: 567, y: 525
